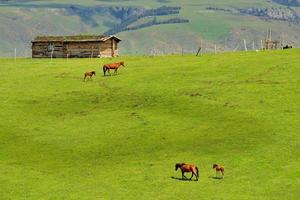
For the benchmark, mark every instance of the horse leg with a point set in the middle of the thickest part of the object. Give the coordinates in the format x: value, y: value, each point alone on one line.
x: 192, y: 175
x: 194, y: 172
x: 104, y: 70
x: 183, y: 176
x: 84, y: 77
x: 197, y: 173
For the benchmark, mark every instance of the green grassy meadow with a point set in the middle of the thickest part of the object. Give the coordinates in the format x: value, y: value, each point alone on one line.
x: 119, y: 137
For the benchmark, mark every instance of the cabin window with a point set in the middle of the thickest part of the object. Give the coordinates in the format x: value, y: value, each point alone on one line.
x: 50, y: 46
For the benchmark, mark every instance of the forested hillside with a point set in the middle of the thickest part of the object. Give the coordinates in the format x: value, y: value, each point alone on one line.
x: 159, y: 26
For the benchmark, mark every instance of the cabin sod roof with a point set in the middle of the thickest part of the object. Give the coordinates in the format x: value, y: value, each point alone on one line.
x: 75, y: 38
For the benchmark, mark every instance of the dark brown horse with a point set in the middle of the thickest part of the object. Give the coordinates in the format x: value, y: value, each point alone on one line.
x: 188, y: 168
x: 89, y: 74
x: 115, y: 66
x: 219, y: 169
x: 287, y: 47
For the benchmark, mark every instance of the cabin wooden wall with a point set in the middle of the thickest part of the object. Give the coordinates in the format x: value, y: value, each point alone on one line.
x: 116, y: 50
x: 108, y: 48
x: 82, y: 49
x: 42, y: 50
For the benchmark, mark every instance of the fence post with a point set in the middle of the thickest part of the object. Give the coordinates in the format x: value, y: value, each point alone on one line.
x: 245, y: 45
x: 15, y: 55
x: 52, y: 54
x: 201, y: 48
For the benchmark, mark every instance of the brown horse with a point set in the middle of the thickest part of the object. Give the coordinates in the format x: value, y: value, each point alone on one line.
x: 219, y: 169
x: 188, y: 168
x: 89, y: 74
x: 115, y: 66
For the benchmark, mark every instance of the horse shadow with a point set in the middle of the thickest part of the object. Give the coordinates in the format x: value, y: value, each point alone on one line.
x: 215, y: 177
x: 110, y: 75
x: 182, y: 179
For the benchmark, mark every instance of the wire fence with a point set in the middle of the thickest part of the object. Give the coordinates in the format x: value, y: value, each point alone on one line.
x: 198, y: 49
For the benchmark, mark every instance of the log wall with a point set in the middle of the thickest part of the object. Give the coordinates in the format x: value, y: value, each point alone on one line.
x: 82, y: 49
x: 108, y: 48
x: 43, y: 50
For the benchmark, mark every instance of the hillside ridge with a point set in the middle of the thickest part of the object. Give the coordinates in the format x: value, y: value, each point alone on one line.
x: 166, y: 27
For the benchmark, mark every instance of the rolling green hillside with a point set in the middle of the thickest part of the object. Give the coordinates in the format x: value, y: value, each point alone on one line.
x: 119, y: 137
x: 216, y: 22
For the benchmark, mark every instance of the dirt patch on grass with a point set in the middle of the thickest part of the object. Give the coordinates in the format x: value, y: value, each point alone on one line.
x: 196, y: 94
x: 139, y: 117
x: 68, y: 75
x: 62, y: 75
x: 264, y: 82
x: 82, y: 113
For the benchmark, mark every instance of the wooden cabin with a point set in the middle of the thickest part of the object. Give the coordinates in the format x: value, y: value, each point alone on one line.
x: 79, y: 46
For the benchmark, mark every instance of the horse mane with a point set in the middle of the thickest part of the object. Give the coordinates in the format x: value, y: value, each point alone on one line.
x: 179, y: 164
x: 217, y: 165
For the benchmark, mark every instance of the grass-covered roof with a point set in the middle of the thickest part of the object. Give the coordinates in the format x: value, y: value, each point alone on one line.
x: 73, y: 38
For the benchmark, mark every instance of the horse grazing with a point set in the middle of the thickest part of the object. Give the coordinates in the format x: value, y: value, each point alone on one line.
x: 89, y: 74
x: 188, y: 168
x: 219, y: 169
x: 115, y: 66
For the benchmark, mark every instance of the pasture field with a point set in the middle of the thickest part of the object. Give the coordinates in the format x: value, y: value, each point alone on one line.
x: 119, y: 137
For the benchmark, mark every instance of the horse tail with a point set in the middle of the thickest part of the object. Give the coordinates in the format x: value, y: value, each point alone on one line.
x: 104, y: 69
x: 197, y: 172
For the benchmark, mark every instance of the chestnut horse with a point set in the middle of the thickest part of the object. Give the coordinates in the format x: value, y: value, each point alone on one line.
x: 219, y: 169
x: 89, y: 74
x: 115, y: 66
x: 188, y: 168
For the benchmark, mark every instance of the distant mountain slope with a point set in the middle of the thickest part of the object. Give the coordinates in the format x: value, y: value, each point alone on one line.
x: 152, y: 26
x: 288, y: 2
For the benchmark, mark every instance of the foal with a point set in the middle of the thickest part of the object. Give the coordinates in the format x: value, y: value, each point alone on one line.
x: 89, y: 74
x: 219, y: 169
x: 188, y: 168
